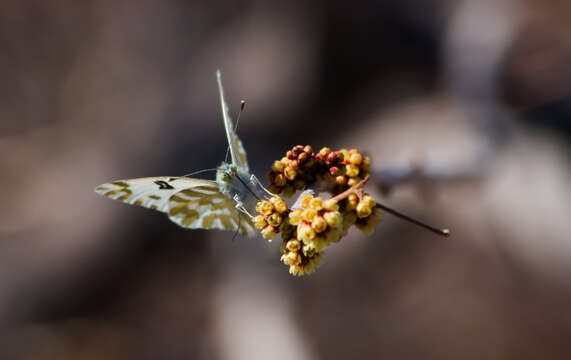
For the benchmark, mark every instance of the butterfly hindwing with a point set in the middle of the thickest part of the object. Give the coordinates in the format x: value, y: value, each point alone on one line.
x: 237, y: 151
x: 205, y: 207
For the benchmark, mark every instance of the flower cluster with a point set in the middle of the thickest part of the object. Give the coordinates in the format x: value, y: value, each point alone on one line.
x: 317, y: 223
x: 271, y: 216
x: 301, y: 167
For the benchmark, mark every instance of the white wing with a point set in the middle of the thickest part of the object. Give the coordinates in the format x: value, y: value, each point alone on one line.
x: 190, y: 203
x: 205, y: 207
x: 237, y: 151
x: 150, y: 192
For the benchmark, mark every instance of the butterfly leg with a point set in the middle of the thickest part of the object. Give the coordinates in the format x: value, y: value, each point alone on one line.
x: 259, y: 187
x: 240, y: 206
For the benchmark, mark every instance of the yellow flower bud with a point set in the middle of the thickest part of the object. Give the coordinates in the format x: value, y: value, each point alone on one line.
x: 264, y: 207
x: 363, y: 210
x: 353, y: 181
x: 306, y: 200
x: 279, y: 204
x: 345, y: 154
x: 260, y: 222
x: 351, y: 170
x: 355, y: 159
x: 290, y: 173
x: 293, y: 245
x: 369, y: 201
x: 305, y: 233
x: 280, y: 180
x: 295, y: 217
x: 295, y: 270
x: 319, y: 224
x: 352, y: 201
x: 292, y: 258
x: 309, y: 214
x: 341, y: 180
x: 331, y: 205
x: 333, y: 218
x: 309, y: 250
x: 316, y: 203
x: 368, y: 226
x: 275, y: 219
x: 268, y: 232
x: 278, y: 166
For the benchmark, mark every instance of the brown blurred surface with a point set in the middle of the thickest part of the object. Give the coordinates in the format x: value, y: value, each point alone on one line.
x: 476, y: 93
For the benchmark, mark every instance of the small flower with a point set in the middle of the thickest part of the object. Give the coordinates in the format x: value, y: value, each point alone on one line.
x: 352, y: 201
x: 319, y: 224
x: 278, y: 166
x: 333, y: 218
x: 260, y: 222
x: 354, y: 181
x: 280, y: 180
x: 275, y: 219
x: 309, y: 214
x: 316, y: 203
x: 355, y: 159
x: 305, y: 233
x: 290, y: 173
x: 296, y: 217
x: 293, y: 245
x: 264, y: 207
x: 279, y: 204
x: 363, y: 210
x: 352, y: 170
x: 367, y: 225
x: 269, y: 232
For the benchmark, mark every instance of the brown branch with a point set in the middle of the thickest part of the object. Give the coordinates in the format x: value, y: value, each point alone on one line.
x: 356, y: 189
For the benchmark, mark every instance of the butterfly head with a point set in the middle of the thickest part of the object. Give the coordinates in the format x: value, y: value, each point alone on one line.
x: 230, y: 179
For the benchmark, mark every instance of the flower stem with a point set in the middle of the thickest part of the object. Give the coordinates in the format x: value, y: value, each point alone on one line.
x: 356, y: 189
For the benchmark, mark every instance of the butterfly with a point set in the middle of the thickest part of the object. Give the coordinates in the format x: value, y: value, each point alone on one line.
x: 197, y: 203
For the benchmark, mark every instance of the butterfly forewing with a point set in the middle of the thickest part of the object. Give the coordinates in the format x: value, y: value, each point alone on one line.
x: 237, y: 151
x: 150, y: 192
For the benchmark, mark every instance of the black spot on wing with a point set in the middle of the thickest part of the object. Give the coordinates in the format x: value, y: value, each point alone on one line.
x: 163, y: 185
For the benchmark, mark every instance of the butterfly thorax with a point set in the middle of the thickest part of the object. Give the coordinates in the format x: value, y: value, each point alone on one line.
x: 232, y: 181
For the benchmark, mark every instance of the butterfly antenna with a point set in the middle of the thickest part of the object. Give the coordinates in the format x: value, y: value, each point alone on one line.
x: 242, y: 105
x: 201, y: 171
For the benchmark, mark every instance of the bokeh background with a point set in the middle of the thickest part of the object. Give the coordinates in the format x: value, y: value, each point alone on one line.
x: 464, y: 107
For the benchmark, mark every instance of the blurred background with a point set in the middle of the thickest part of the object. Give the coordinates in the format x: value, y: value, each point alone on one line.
x: 464, y: 107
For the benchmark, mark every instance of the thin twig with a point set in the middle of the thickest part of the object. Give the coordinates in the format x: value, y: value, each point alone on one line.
x: 441, y: 232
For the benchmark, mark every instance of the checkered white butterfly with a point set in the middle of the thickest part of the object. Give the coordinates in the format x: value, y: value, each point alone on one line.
x: 196, y: 203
